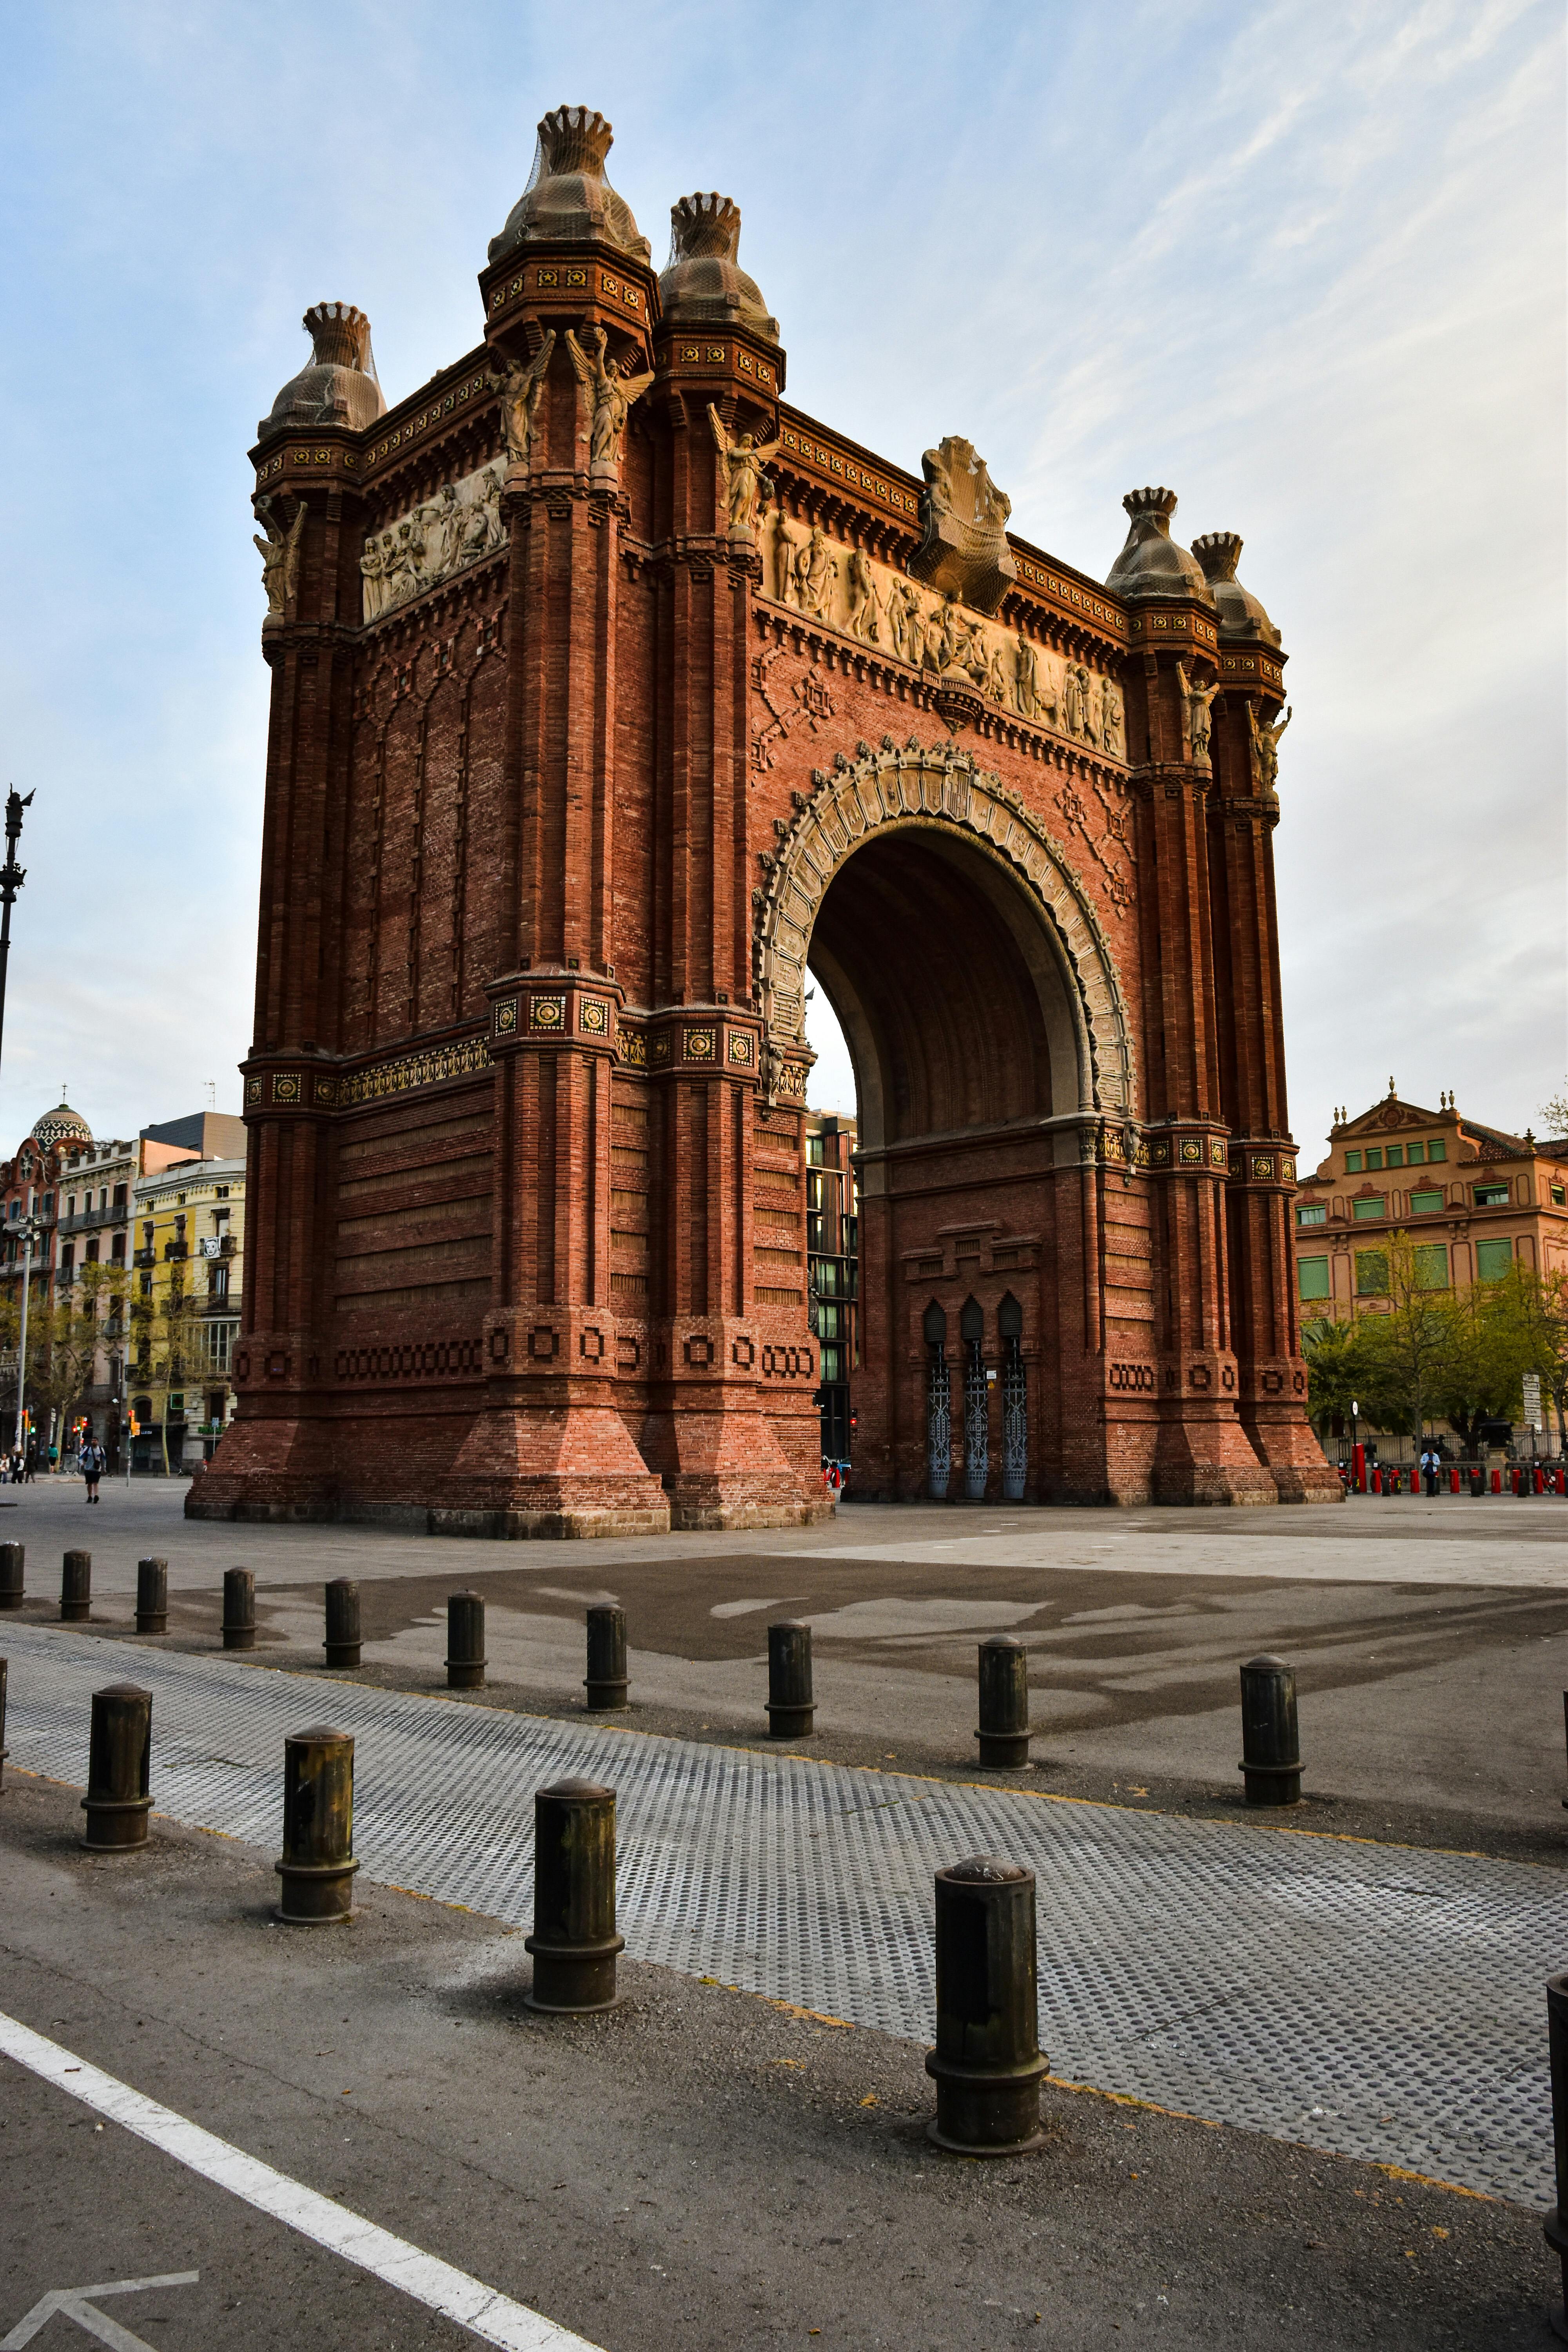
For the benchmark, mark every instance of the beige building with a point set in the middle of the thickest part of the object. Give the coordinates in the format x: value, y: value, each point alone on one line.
x: 1473, y: 1200
x: 188, y: 1237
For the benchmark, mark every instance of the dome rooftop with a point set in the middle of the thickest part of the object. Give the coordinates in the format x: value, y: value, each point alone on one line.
x: 1151, y: 563
x: 339, y: 384
x: 568, y: 200
x: 61, y: 1124
x: 704, y: 285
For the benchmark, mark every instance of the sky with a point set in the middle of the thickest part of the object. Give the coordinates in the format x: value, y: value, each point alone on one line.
x: 1303, y: 262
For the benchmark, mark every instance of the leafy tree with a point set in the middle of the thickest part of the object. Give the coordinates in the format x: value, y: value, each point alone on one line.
x: 1334, y: 1371
x: 1401, y: 1352
x: 168, y: 1343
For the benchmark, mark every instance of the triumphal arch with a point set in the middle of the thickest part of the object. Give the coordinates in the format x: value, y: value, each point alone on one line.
x: 610, y: 694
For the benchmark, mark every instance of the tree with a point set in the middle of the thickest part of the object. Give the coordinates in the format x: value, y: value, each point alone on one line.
x: 1554, y: 1112
x: 1401, y: 1352
x: 1479, y: 1377
x: 168, y: 1339
x: 1334, y: 1370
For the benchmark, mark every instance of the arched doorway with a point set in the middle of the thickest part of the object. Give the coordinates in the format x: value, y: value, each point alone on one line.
x: 986, y: 1025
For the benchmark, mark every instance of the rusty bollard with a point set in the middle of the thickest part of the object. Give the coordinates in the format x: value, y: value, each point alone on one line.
x: 606, y: 1683
x: 465, y: 1640
x: 987, y: 2062
x: 1271, y: 1738
x: 238, y: 1608
x: 12, y: 1575
x: 574, y: 1941
x: 791, y: 1709
x: 76, y: 1587
x: 1003, y: 1733
x: 4, y: 1751
x: 317, y: 1865
x: 1556, y: 2222
x: 343, y: 1643
x: 151, y: 1596
x: 118, y: 1769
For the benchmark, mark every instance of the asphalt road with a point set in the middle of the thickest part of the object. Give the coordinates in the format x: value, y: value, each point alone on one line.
x: 1430, y: 1637
x: 699, y: 2166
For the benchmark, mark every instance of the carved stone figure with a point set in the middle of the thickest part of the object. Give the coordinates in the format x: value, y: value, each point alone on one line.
x: 1025, y: 677
x: 1195, y: 701
x: 742, y: 461
x: 814, y: 574
x: 1265, y: 742
x: 495, y: 521
x: 611, y: 394
x: 520, y: 388
x: 1110, y: 735
x: 1077, y: 710
x: 997, y: 677
x: 862, y: 616
x: 906, y: 628
x: 280, y: 560
x: 370, y: 574
x: 442, y: 522
x: 784, y: 545
x: 964, y: 518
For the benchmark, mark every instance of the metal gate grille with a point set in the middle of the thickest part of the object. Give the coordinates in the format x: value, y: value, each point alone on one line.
x: 1374, y: 2001
x: 1014, y: 1424
x: 939, y: 1424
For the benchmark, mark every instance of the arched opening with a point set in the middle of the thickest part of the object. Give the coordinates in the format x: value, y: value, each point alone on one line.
x: 972, y: 1070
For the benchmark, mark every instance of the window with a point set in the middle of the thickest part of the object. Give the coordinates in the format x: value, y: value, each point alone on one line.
x: 1493, y: 1260
x: 1371, y: 1274
x: 1432, y: 1267
x: 220, y: 1192
x: 1352, y: 1163
x: 1376, y: 1207
x: 832, y: 1363
x: 117, y: 1249
x: 1313, y: 1275
x: 146, y: 1286
x: 120, y: 1196
x: 68, y: 1258
x: 1437, y: 1150
x: 15, y: 1209
x: 1313, y: 1213
x: 1396, y: 1155
x: 813, y: 1149
x: 48, y: 1203
x: 1375, y: 1158
x: 1491, y: 1196
x: 827, y: 1322
x: 220, y: 1343
x: 217, y: 1282
x: 1559, y: 1197
x: 70, y: 1204
x: 813, y: 1192
x: 1415, y: 1153
x: 1422, y: 1203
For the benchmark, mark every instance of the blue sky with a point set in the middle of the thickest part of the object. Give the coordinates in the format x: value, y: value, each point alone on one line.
x: 1302, y: 261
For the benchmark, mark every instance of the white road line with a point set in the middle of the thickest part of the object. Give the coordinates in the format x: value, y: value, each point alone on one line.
x: 1403, y: 1559
x: 491, y: 2317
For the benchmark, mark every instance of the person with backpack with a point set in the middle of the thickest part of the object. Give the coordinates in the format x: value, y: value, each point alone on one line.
x: 91, y: 1461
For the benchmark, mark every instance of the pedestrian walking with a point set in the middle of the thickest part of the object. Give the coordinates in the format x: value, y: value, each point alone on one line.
x: 92, y: 1461
x: 1430, y: 1464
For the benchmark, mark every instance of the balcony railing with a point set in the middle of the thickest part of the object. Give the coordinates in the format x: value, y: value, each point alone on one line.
x: 144, y: 1257
x: 176, y: 1249
x: 94, y: 1220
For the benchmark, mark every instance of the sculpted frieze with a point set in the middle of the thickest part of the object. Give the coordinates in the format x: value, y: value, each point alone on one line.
x: 459, y: 526
x: 844, y: 589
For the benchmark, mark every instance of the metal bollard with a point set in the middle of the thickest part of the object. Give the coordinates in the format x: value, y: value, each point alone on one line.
x: 1478, y: 1484
x: 1454, y: 1479
x: 1271, y: 1738
x: 1497, y: 1482
x: 317, y: 1865
x: 605, y: 1682
x: 76, y: 1587
x: 119, y: 1768
x: 342, y: 1643
x: 791, y: 1709
x: 1556, y: 2222
x: 238, y: 1608
x: 151, y: 1596
x: 574, y: 1941
x: 12, y: 1575
x: 465, y: 1640
x: 1003, y: 1733
x: 4, y: 1751
x: 987, y: 2062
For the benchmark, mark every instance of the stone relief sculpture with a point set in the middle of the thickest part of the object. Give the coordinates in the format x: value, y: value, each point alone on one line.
x: 1195, y: 701
x: 742, y: 462
x: 863, y: 613
x: 964, y: 518
x: 1025, y: 677
x: 784, y: 545
x: 612, y: 396
x: 520, y: 388
x: 459, y: 526
x: 1265, y: 742
x: 279, y: 559
x: 815, y: 575
x: 1111, y: 739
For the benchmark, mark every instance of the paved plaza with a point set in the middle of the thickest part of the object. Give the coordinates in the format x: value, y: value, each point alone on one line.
x: 1320, y: 2005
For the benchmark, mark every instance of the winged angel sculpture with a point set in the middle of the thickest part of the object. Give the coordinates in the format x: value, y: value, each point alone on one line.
x: 610, y: 394
x: 521, y: 389
x: 742, y: 461
x: 280, y: 557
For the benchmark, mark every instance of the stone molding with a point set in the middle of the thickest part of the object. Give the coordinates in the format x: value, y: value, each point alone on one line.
x: 942, y: 787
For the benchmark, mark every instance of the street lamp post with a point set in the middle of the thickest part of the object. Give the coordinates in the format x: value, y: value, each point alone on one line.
x: 27, y: 1232
x: 12, y: 877
x: 1355, y: 1416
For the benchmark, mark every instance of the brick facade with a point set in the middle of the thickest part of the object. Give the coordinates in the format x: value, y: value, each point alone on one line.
x: 548, y: 839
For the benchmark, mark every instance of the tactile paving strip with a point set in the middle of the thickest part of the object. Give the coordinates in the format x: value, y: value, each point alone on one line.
x: 1371, y: 2001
